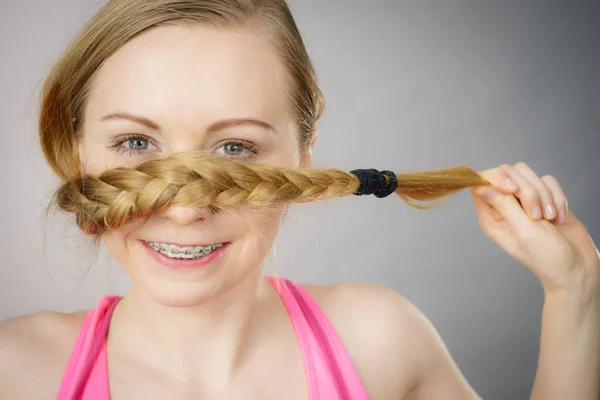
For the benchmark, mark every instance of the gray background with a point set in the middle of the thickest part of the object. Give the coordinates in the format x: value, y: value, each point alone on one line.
x: 410, y: 85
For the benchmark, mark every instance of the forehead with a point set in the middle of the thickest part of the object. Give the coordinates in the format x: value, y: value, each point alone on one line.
x: 192, y: 73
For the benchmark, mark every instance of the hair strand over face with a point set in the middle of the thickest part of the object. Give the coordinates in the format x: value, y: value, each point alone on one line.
x: 198, y: 180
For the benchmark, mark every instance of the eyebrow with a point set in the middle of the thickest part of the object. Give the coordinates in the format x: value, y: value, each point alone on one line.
x: 215, y: 127
x: 135, y: 118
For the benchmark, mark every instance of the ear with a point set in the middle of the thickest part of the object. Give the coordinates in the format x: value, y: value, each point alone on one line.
x: 306, y: 157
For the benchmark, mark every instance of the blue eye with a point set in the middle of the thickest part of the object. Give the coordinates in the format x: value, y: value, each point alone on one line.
x: 238, y: 149
x: 134, y: 144
x: 234, y: 149
x: 138, y: 144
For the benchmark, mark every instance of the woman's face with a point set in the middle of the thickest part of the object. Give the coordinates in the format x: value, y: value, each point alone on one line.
x: 184, y: 88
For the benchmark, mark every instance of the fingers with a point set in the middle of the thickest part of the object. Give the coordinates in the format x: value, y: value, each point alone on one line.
x: 533, y: 193
x: 539, y: 197
x: 500, y: 180
x: 559, y: 197
x: 506, y: 205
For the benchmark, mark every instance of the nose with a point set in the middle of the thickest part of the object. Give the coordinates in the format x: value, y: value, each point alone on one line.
x: 185, y: 215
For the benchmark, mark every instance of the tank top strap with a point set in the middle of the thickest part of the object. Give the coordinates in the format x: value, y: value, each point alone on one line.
x: 324, y: 353
x: 329, y: 368
x: 87, y: 347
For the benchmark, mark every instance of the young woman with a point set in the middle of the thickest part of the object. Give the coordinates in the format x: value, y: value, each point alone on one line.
x: 182, y: 129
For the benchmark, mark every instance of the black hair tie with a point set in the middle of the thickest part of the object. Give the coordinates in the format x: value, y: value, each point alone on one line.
x: 374, y: 182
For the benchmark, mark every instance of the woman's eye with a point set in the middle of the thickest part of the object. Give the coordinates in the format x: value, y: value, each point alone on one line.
x: 133, y: 144
x: 234, y: 149
x: 238, y: 149
x: 138, y: 144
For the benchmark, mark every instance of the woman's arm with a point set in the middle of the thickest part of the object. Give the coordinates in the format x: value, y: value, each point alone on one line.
x: 569, y: 349
x: 559, y: 251
x: 568, y: 366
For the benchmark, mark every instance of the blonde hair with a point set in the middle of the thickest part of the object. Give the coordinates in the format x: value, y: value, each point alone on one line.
x: 197, y: 179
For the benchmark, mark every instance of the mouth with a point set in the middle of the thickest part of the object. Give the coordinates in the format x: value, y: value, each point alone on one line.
x: 176, y: 252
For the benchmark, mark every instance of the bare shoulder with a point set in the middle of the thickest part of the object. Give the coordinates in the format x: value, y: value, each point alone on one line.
x: 379, y: 328
x: 396, y: 350
x: 36, y: 348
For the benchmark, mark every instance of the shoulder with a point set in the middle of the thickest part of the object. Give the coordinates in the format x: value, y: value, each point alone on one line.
x: 395, y: 348
x: 382, y: 331
x: 36, y: 348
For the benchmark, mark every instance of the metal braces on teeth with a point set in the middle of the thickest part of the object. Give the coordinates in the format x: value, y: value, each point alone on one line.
x: 190, y: 252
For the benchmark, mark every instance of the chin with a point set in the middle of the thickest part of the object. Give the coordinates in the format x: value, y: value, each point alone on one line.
x: 182, y: 295
x: 191, y: 290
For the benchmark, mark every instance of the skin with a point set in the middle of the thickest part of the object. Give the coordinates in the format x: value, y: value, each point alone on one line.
x: 222, y: 331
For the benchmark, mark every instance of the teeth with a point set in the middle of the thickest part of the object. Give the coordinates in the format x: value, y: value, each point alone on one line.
x: 187, y: 252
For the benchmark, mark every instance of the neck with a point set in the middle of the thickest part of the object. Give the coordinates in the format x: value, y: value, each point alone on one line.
x: 206, y: 340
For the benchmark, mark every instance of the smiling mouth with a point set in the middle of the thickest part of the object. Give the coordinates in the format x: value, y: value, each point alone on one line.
x: 183, y: 252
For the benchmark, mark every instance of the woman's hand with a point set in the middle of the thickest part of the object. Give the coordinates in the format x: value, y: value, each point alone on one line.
x: 528, y: 217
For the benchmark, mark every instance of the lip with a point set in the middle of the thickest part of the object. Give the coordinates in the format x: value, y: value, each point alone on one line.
x: 180, y: 244
x: 182, y: 264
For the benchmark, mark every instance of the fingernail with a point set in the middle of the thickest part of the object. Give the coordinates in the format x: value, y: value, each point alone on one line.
x: 561, y: 217
x: 510, y: 184
x: 537, y: 212
x: 550, y: 212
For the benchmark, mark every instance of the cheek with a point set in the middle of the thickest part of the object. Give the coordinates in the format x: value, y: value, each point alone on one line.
x: 285, y: 152
x: 96, y: 158
x: 262, y: 226
x: 94, y: 164
x: 119, y: 241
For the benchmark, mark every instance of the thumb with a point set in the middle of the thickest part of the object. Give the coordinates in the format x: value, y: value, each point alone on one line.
x: 507, y: 206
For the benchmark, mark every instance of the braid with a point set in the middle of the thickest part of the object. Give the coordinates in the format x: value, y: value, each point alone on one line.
x: 198, y: 180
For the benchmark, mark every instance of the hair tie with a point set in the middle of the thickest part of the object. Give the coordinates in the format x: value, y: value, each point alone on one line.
x: 372, y: 181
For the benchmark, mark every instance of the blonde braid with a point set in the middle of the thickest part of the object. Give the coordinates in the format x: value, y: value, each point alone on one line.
x: 198, y: 179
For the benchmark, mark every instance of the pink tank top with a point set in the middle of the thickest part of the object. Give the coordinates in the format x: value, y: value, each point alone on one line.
x: 329, y: 369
